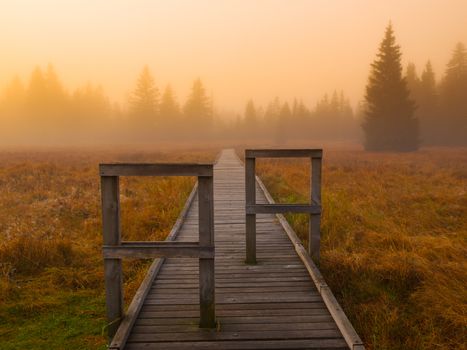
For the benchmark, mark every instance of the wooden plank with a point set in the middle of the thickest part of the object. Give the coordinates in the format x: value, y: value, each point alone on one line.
x: 238, y: 306
x: 158, y: 250
x: 234, y: 276
x: 239, y: 320
x: 237, y: 327
x: 207, y: 289
x: 250, y: 219
x: 110, y: 193
x: 283, y: 153
x: 282, y: 208
x: 161, y: 169
x: 241, y: 284
x: 314, y: 237
x: 335, y: 344
x: 253, y: 298
x: 244, y: 312
x: 224, y: 335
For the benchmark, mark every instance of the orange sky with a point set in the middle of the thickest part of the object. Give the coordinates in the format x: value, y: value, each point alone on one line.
x: 240, y: 48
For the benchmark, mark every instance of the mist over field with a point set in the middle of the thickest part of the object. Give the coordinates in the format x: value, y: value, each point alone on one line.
x: 80, y: 72
x: 381, y: 87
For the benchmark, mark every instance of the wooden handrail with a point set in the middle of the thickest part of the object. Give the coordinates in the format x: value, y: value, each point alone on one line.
x: 252, y: 208
x: 114, y: 249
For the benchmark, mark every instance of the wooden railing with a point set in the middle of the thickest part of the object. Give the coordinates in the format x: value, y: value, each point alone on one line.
x: 114, y: 249
x: 313, y: 209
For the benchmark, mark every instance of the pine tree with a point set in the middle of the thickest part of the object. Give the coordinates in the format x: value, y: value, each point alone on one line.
x: 144, y: 101
x: 55, y: 91
x: 389, y: 123
x: 37, y: 91
x: 413, y: 82
x: 169, y: 108
x: 427, y: 111
x: 283, y: 124
x: 428, y: 81
x: 197, y: 108
x: 251, y: 117
x: 454, y: 97
x: 90, y: 107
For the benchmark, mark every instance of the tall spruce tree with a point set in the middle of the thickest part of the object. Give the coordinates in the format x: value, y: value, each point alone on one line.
x: 428, y: 109
x: 251, y: 117
x: 144, y: 101
x: 454, y: 98
x: 169, y: 109
x: 389, y: 122
x: 197, y: 109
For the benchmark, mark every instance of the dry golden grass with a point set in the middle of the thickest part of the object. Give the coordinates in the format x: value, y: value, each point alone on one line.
x: 51, y: 270
x: 394, y: 236
x: 393, y: 243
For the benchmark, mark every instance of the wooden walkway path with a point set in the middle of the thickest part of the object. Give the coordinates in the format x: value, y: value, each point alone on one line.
x: 272, y: 305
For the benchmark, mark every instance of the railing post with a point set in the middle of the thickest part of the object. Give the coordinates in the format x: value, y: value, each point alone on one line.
x: 206, y: 265
x: 112, y: 267
x: 314, y: 236
x: 250, y: 199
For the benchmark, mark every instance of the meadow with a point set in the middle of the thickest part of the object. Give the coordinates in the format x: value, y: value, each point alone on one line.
x: 394, y: 236
x: 394, y: 233
x: 51, y: 269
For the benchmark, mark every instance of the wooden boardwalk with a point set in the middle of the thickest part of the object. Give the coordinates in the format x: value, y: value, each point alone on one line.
x: 272, y: 305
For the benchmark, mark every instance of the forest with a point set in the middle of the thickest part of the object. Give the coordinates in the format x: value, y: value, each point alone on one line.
x: 42, y: 110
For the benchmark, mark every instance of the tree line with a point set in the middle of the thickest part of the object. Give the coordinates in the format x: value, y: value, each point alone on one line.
x: 400, y: 111
x: 44, y: 110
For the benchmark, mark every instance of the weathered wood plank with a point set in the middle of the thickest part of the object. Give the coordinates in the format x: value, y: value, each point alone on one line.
x: 314, y: 237
x: 282, y: 208
x: 224, y: 335
x: 238, y: 306
x: 110, y: 192
x: 207, y: 290
x: 243, y: 312
x: 237, y: 327
x: 250, y: 220
x: 240, y: 320
x: 322, y: 344
x: 283, y: 153
x: 143, y: 169
x: 150, y: 250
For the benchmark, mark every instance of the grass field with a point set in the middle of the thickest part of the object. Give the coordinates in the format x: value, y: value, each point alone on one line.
x: 393, y: 240
x: 51, y: 270
x: 394, y: 234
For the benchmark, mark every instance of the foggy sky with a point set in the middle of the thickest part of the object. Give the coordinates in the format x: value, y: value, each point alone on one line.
x: 239, y: 48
